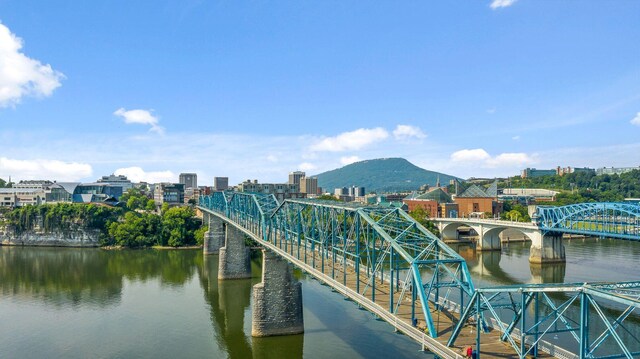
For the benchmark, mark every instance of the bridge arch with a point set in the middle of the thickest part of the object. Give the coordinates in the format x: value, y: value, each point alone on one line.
x: 492, y: 235
x: 450, y: 230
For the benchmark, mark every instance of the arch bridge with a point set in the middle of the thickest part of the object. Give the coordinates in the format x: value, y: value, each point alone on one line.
x: 549, y: 223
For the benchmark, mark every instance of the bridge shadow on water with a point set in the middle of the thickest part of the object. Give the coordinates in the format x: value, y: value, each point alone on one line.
x: 229, y: 301
x: 328, y: 319
x: 496, y: 266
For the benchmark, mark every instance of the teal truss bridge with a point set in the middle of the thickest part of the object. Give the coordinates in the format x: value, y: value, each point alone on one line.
x: 608, y: 219
x: 390, y: 265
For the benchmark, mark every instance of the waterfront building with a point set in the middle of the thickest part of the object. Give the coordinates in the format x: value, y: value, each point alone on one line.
x: 34, y: 184
x: 120, y: 180
x: 220, y: 183
x: 430, y: 202
x: 189, y: 180
x: 96, y: 193
x: 19, y: 197
x: 475, y: 200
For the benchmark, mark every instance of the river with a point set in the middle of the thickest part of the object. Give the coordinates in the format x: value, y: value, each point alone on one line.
x: 81, y: 303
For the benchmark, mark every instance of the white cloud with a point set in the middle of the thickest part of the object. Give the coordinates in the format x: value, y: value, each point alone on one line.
x: 511, y: 159
x: 349, y: 160
x: 495, y: 4
x: 272, y: 158
x: 143, y: 117
x: 20, y: 75
x: 137, y: 174
x: 636, y: 120
x: 405, y: 132
x: 44, y: 169
x: 307, y: 166
x: 353, y: 140
x: 491, y: 111
x: 515, y: 138
x: 474, y: 155
x: 482, y: 158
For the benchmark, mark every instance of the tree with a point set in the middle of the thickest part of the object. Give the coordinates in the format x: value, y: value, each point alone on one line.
x: 421, y: 215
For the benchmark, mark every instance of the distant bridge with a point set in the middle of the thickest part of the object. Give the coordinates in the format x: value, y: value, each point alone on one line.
x: 389, y: 264
x: 613, y: 220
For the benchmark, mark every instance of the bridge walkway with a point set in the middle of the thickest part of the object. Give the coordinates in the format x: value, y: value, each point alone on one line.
x: 335, y: 274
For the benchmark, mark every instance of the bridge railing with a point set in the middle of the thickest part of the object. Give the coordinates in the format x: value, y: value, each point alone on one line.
x: 531, y: 316
x: 421, y: 271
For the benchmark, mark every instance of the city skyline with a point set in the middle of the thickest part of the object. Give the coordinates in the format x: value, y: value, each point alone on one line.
x: 256, y: 90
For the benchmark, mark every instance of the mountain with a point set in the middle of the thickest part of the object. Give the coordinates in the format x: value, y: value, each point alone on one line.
x: 381, y: 175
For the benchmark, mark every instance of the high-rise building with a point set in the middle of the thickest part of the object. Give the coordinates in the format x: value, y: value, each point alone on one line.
x: 189, y: 180
x: 294, y: 177
x: 309, y: 185
x: 220, y: 183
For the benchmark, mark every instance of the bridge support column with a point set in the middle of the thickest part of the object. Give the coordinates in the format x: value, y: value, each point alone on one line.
x: 547, y: 248
x: 488, y: 240
x: 234, y: 256
x: 277, y: 301
x: 214, y: 237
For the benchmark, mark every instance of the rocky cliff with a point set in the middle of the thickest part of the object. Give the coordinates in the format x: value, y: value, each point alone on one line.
x: 73, y: 237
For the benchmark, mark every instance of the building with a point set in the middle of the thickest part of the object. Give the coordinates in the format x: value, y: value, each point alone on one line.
x: 532, y: 172
x: 295, y: 177
x: 475, y: 201
x: 220, y: 183
x: 192, y: 194
x: 171, y: 193
x: 309, y: 185
x: 356, y: 191
x: 615, y: 170
x: 19, y: 197
x: 526, y: 195
x: 34, y: 184
x: 96, y: 193
x: 561, y: 171
x: 281, y: 191
x: 119, y: 180
x: 189, y: 180
x: 430, y: 202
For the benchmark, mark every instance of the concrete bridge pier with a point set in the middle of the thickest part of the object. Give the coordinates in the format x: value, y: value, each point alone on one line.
x: 277, y: 301
x: 489, y: 239
x: 546, y: 248
x: 235, y: 262
x: 214, y: 237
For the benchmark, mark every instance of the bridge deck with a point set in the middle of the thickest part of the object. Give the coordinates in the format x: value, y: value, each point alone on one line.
x: 492, y: 346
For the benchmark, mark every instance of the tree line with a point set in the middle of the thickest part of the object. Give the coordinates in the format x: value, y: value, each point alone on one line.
x: 136, y: 222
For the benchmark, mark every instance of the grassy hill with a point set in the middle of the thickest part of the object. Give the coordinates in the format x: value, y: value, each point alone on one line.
x: 381, y: 175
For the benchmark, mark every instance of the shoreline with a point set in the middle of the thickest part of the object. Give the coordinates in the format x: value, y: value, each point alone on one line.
x: 107, y: 248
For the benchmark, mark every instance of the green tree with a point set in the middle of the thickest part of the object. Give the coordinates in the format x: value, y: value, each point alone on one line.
x: 422, y: 216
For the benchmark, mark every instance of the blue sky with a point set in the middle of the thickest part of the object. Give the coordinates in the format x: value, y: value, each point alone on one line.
x: 255, y: 89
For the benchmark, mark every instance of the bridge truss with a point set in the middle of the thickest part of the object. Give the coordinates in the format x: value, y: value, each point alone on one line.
x: 608, y: 219
x: 393, y: 261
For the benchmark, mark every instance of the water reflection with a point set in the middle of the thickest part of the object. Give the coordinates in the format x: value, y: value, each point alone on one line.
x: 69, y: 276
x: 229, y: 301
x: 548, y: 273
